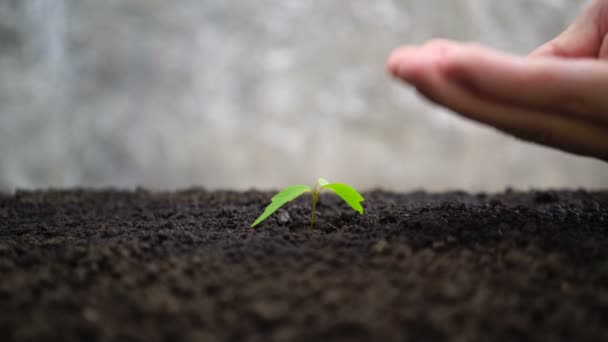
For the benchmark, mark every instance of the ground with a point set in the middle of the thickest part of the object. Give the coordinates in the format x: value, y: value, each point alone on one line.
x: 84, y: 265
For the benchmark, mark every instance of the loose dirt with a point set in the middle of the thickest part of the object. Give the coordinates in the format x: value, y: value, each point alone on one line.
x: 103, y: 265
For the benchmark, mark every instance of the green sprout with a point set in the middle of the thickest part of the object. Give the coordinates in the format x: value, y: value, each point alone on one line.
x: 346, y: 192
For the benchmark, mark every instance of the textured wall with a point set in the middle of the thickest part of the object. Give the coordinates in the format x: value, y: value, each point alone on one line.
x: 250, y: 93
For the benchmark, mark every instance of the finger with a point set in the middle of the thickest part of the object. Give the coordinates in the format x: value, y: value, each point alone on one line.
x: 533, y: 125
x: 570, y: 87
x: 528, y: 124
x: 413, y: 62
x: 581, y: 39
x: 397, y: 66
x: 604, y: 48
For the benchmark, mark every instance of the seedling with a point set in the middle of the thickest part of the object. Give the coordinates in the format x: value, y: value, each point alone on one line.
x: 346, y: 192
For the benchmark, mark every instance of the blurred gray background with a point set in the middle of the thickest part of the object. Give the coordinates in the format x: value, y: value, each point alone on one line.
x: 256, y: 94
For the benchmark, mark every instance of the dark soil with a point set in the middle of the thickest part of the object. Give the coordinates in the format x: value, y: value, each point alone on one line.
x: 140, y: 266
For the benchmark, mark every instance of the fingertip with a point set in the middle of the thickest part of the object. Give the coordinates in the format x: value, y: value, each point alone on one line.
x: 412, y: 64
x: 396, y: 60
x: 392, y: 64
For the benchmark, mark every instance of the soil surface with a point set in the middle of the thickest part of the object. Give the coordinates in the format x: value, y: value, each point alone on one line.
x: 85, y: 265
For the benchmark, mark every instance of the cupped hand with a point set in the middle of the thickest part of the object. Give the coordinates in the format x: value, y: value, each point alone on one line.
x: 557, y: 96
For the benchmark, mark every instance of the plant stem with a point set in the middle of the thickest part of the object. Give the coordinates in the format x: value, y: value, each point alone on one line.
x: 315, y: 198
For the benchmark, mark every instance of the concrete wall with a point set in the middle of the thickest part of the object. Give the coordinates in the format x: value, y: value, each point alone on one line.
x: 256, y: 93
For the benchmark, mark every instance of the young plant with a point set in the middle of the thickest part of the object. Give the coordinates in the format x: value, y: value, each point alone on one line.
x: 346, y: 192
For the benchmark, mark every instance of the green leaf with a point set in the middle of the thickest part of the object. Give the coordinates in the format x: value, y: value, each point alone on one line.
x: 348, y: 194
x: 322, y: 182
x: 288, y: 194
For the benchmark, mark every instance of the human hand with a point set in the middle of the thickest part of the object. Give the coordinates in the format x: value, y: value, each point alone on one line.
x: 557, y: 96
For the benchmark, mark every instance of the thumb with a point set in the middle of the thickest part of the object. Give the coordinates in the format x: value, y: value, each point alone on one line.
x: 583, y: 38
